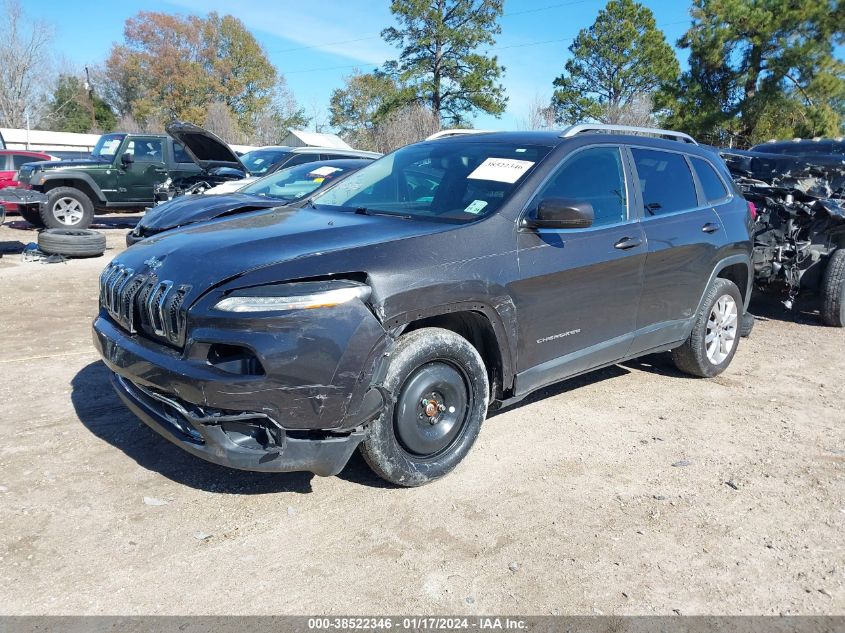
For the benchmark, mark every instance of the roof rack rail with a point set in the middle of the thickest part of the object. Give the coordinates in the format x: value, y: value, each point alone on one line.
x: 454, y: 132
x: 573, y: 130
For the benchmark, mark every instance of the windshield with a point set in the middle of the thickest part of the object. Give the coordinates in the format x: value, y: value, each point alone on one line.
x: 454, y: 180
x: 294, y: 183
x: 107, y: 146
x: 259, y: 161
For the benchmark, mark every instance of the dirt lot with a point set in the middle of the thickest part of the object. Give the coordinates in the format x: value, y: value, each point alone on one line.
x: 631, y: 490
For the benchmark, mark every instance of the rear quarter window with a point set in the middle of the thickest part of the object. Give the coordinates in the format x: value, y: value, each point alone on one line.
x: 713, y: 187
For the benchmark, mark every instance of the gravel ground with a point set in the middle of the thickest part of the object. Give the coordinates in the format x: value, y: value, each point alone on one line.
x: 632, y: 490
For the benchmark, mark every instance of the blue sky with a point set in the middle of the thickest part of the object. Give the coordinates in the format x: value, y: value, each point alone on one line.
x: 316, y: 44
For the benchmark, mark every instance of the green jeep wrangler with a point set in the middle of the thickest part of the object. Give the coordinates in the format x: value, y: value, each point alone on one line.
x: 121, y: 175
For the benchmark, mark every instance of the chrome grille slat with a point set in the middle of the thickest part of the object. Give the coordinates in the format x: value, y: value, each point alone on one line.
x: 155, y: 309
x: 127, y: 296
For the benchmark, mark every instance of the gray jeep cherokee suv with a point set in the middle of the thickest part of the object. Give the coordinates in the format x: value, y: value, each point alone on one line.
x: 391, y: 311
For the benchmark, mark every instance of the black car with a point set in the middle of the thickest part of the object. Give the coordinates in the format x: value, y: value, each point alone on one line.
x: 394, y: 308
x: 266, y: 160
x: 287, y: 186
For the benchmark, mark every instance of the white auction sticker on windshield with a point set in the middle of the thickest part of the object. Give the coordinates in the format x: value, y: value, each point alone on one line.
x: 501, y: 169
x: 475, y: 207
x: 323, y: 171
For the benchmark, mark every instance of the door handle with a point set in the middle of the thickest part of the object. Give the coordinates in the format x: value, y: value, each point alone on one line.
x: 628, y: 242
x: 710, y: 227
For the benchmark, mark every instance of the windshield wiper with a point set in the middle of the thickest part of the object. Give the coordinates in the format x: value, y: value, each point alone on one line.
x: 366, y: 211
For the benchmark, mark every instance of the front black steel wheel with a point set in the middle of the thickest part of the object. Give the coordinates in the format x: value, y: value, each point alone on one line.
x: 440, y: 394
x: 432, y: 409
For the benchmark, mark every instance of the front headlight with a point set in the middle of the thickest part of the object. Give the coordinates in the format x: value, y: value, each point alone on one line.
x: 294, y: 296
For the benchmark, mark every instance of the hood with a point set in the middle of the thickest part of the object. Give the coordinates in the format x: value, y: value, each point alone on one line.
x: 207, y: 149
x: 205, y: 255
x: 186, y: 210
x: 61, y: 164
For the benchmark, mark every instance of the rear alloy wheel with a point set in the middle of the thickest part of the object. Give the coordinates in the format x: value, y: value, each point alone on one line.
x: 66, y: 208
x: 440, y: 393
x: 715, y: 333
x: 721, y: 330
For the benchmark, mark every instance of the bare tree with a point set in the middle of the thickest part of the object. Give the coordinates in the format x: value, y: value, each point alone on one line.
x: 638, y: 112
x: 318, y: 116
x: 408, y: 125
x: 541, y: 116
x: 25, y: 56
x: 220, y: 121
x: 271, y: 125
x: 128, y: 124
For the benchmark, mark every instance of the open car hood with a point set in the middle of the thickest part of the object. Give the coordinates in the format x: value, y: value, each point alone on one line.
x: 207, y: 149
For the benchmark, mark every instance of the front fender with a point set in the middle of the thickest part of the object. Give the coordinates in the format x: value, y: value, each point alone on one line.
x: 496, y: 306
x: 51, y: 176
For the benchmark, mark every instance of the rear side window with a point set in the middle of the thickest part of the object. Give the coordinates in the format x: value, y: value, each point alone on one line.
x: 665, y: 181
x: 180, y: 155
x: 714, y: 188
x: 596, y: 176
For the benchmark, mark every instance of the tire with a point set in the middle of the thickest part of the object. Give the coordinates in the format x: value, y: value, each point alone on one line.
x: 32, y: 216
x: 72, y: 242
x: 746, y: 325
x: 66, y: 208
x: 718, y: 317
x: 833, y: 290
x: 2, y: 214
x: 428, y: 369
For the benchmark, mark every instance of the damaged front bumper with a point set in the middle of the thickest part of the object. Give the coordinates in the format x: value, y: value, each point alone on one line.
x: 246, y: 441
x: 230, y: 415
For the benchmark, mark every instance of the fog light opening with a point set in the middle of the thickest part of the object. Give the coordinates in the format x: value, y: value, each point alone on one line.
x: 234, y: 359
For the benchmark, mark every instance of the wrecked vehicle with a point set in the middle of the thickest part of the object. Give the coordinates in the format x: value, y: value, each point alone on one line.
x: 218, y: 163
x: 287, y: 186
x: 799, y: 233
x: 393, y: 308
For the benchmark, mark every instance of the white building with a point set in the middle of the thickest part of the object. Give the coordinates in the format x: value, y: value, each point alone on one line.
x: 44, y: 141
x: 301, y: 138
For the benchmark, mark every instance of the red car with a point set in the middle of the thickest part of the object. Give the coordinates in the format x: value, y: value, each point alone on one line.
x: 10, y: 161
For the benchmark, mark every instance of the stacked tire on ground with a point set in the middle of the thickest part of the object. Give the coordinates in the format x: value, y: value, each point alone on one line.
x: 72, y: 242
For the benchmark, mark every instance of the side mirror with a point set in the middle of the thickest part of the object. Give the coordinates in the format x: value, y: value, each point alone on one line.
x: 128, y: 158
x: 561, y: 213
